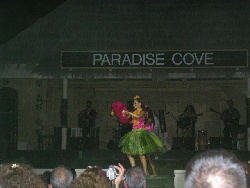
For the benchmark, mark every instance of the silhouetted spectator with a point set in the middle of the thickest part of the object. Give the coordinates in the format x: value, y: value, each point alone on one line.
x: 46, y: 176
x: 73, y: 170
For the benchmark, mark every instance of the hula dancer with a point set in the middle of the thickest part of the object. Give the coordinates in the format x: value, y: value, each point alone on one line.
x: 139, y: 141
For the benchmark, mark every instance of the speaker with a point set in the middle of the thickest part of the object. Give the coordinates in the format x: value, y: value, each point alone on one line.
x: 183, y: 143
x: 220, y: 143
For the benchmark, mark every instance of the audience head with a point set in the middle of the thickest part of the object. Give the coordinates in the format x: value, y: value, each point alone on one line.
x: 214, y: 169
x: 61, y: 177
x: 135, y: 178
x: 19, y: 175
x: 46, y: 176
x: 73, y: 170
x: 92, y: 177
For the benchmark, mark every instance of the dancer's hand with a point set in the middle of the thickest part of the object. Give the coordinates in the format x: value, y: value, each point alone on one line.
x: 125, y: 112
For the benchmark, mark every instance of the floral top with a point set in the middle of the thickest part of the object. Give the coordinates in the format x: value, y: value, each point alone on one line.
x: 139, y: 123
x: 136, y: 120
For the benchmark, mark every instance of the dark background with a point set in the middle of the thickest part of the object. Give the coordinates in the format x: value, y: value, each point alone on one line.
x: 17, y: 15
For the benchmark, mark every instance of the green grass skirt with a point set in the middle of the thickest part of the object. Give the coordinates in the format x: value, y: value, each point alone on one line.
x: 140, y: 142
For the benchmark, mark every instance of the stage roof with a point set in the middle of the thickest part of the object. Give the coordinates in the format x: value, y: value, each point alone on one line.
x: 115, y: 25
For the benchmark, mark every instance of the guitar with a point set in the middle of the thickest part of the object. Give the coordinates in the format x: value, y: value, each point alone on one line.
x: 228, y: 120
x: 212, y: 110
x: 183, y: 122
x: 199, y: 114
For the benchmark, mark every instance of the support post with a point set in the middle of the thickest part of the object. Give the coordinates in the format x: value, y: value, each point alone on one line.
x: 248, y: 115
x: 64, y: 105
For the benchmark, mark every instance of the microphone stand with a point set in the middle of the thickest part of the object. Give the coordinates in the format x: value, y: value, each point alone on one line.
x: 177, y: 129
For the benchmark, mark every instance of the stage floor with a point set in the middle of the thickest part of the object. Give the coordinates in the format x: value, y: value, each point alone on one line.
x: 83, y: 158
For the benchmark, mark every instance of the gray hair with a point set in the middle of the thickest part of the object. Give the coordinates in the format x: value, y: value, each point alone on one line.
x: 61, y: 177
x: 207, y: 167
x: 135, y: 177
